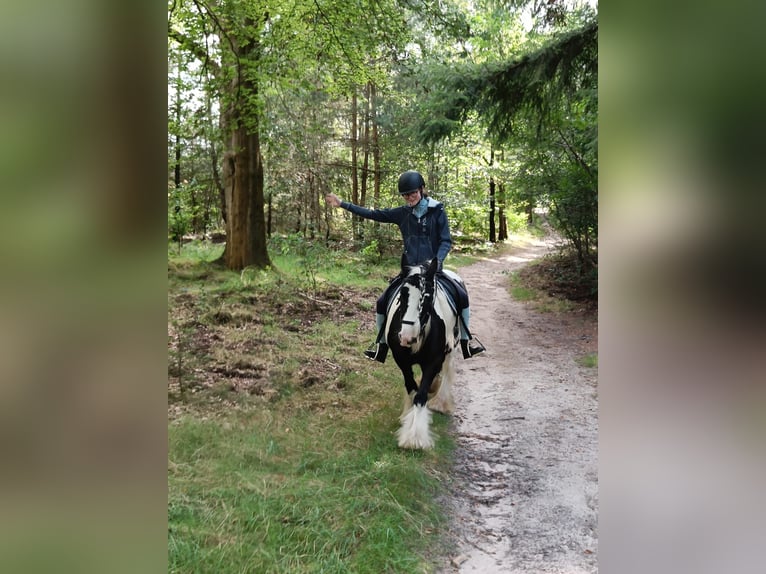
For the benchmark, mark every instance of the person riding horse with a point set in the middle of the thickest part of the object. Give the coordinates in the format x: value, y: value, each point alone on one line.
x: 425, y: 231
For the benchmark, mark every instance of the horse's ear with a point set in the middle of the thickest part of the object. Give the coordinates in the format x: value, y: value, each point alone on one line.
x: 404, y: 264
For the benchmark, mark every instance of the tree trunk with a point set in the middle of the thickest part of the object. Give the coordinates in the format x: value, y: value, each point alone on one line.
x: 502, y: 234
x: 375, y: 146
x: 243, y: 165
x: 365, y: 158
x: 177, y: 167
x: 356, y: 221
x: 214, y: 165
x: 243, y: 185
x: 492, y: 234
x: 366, y: 147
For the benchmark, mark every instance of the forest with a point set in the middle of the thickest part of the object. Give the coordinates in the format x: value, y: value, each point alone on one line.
x: 281, y: 456
x: 273, y: 104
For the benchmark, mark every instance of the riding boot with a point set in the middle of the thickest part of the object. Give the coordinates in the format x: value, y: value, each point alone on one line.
x: 377, y: 353
x: 471, y: 347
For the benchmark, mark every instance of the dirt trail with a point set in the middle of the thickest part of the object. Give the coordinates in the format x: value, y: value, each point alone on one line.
x: 523, y: 494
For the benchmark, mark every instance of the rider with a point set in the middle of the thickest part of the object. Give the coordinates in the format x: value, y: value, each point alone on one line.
x: 425, y: 231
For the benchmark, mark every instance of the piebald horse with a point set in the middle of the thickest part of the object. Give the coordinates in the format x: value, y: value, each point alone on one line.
x: 422, y: 329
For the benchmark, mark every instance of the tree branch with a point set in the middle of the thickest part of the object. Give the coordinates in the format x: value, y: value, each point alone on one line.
x: 194, y: 48
x: 578, y: 159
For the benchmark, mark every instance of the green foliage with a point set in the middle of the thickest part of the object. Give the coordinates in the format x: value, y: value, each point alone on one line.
x: 516, y: 222
x: 558, y: 170
x: 469, y: 219
x: 501, y: 89
x: 184, y: 210
x: 543, y: 106
x: 462, y: 95
x: 310, y: 254
x: 371, y: 253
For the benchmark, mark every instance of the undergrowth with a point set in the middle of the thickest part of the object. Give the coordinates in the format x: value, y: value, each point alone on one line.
x: 557, y: 282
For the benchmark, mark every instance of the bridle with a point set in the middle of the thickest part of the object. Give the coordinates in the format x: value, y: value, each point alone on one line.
x: 426, y: 305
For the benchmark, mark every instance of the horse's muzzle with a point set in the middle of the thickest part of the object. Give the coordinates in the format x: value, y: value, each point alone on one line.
x: 408, y: 335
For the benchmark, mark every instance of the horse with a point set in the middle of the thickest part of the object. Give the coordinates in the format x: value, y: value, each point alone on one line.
x: 422, y: 329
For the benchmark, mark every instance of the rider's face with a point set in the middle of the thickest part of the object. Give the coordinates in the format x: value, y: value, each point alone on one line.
x: 412, y: 198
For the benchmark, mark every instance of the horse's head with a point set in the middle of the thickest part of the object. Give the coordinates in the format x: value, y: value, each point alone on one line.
x: 416, y: 299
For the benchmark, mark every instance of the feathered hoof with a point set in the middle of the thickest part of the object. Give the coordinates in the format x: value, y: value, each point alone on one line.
x: 415, y: 432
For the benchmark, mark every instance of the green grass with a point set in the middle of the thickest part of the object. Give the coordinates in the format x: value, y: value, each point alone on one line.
x: 282, y: 455
x: 590, y: 360
x: 521, y: 293
x: 521, y: 290
x: 248, y: 493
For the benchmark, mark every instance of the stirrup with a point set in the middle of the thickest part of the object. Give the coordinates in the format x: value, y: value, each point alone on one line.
x: 377, y: 352
x: 471, y: 347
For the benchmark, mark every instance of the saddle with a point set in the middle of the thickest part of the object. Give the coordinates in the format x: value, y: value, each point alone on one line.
x: 451, y: 284
x: 454, y: 287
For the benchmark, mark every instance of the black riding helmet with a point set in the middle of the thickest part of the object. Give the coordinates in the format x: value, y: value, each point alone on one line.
x: 410, y: 181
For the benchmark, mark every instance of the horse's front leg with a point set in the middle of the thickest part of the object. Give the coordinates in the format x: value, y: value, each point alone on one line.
x: 410, y: 384
x: 410, y: 387
x: 415, y: 431
x: 429, y: 374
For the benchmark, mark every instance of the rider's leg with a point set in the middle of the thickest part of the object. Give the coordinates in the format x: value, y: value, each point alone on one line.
x: 465, y: 334
x: 379, y: 350
x: 468, y: 344
x: 380, y: 318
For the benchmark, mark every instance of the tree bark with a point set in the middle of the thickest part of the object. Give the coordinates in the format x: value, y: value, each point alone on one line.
x: 356, y: 221
x: 243, y: 190
x: 492, y: 233
x: 502, y: 233
x: 366, y: 147
x: 375, y: 145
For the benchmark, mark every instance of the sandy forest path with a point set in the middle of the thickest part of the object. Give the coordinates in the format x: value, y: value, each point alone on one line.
x: 523, y: 494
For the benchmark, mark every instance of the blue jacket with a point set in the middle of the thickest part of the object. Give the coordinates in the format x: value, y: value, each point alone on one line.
x: 424, y: 237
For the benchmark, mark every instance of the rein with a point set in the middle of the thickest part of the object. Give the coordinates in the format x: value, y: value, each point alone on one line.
x: 425, y: 303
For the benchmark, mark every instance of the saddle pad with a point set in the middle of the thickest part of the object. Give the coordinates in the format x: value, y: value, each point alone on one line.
x: 450, y: 289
